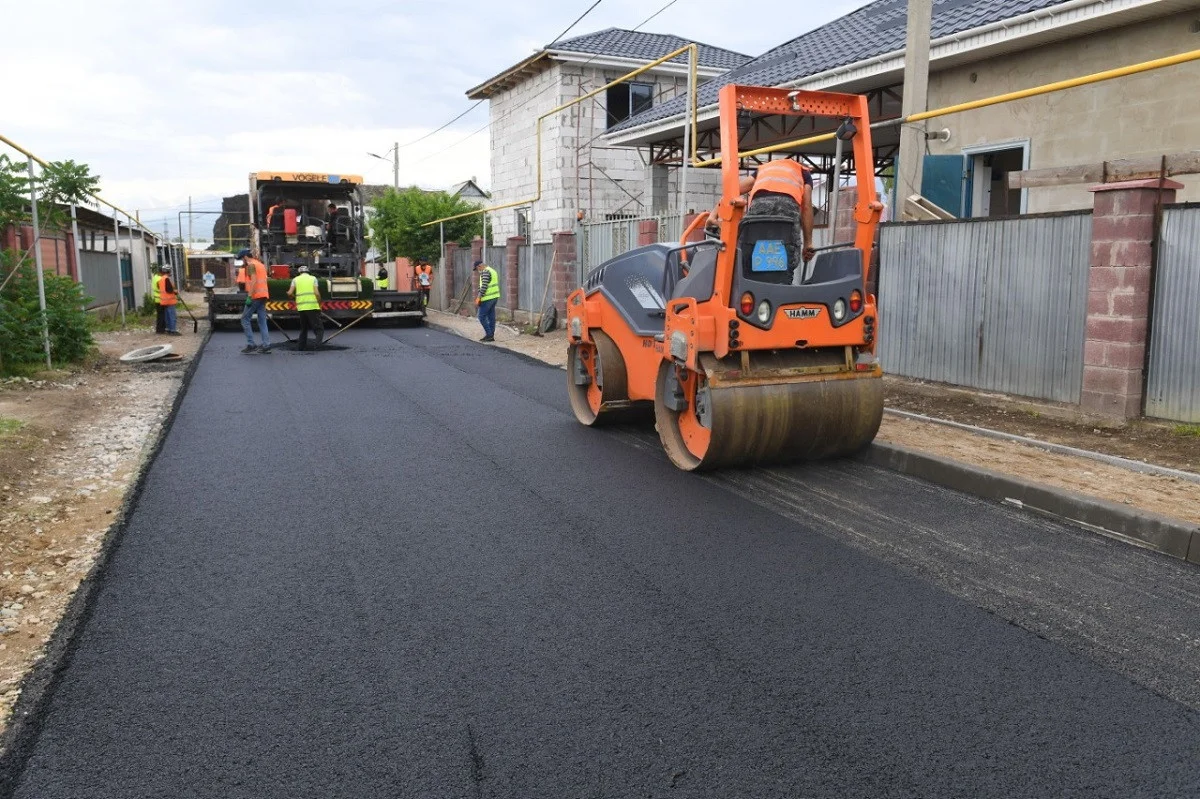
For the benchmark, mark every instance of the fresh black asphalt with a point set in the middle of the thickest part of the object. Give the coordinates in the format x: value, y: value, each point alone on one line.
x: 404, y: 570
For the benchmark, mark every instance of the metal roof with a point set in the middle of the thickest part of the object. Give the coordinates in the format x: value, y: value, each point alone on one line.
x: 614, y: 43
x: 646, y: 47
x: 873, y: 30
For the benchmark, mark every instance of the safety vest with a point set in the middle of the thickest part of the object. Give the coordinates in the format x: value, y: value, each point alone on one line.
x: 381, y: 283
x: 781, y: 177
x: 165, y: 295
x: 424, y: 276
x: 492, y: 292
x: 256, y: 280
x: 154, y: 289
x: 306, y: 293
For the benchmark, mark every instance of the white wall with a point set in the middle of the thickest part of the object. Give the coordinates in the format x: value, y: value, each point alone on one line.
x: 1145, y: 115
x: 579, y: 173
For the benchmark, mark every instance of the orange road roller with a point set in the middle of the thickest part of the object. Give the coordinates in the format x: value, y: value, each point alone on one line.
x: 748, y: 347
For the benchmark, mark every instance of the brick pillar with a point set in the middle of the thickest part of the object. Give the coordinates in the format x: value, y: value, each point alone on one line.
x: 566, y: 278
x: 477, y: 249
x: 509, y: 296
x: 845, y: 226
x: 698, y: 235
x: 647, y: 232
x: 1114, y: 349
x: 448, y: 275
x: 9, y: 240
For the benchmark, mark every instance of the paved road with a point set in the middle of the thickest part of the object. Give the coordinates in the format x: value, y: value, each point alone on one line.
x: 420, y: 578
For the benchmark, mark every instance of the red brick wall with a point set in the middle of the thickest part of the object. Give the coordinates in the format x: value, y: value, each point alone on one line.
x: 565, y: 278
x: 647, y: 232
x: 512, y: 272
x: 1114, y: 348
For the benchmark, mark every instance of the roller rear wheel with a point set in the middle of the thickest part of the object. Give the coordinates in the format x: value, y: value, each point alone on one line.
x: 596, y: 381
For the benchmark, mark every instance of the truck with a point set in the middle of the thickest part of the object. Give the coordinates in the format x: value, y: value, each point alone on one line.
x: 317, y: 220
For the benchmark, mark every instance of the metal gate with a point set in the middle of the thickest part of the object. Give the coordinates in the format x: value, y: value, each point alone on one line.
x: 996, y: 304
x: 1173, y: 376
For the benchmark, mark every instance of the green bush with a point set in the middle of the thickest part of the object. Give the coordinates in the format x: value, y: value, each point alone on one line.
x: 21, y: 318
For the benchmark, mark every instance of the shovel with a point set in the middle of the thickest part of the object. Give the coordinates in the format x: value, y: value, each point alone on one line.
x: 195, y: 322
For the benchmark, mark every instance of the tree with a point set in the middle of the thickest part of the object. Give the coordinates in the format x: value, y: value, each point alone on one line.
x: 60, y: 184
x: 397, y: 223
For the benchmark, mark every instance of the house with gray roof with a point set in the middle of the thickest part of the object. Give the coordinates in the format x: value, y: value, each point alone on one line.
x: 979, y: 48
x: 580, y: 174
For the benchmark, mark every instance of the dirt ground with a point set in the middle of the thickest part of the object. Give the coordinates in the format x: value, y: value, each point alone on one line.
x: 1159, y: 444
x: 71, y: 445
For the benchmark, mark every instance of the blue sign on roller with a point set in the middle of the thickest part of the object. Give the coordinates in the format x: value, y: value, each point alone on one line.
x: 769, y: 256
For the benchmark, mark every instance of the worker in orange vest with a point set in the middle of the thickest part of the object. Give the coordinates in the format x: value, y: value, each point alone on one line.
x: 256, y: 302
x: 424, y: 279
x: 167, y: 297
x: 781, y: 178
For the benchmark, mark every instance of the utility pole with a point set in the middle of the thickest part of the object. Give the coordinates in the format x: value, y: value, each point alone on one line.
x: 910, y: 162
x: 189, y: 223
x: 37, y: 260
x: 396, y: 166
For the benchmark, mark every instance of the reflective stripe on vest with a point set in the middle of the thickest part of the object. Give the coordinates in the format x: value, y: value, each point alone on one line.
x: 381, y: 284
x: 164, y: 297
x: 492, y: 292
x: 423, y: 275
x: 781, y: 177
x: 306, y: 293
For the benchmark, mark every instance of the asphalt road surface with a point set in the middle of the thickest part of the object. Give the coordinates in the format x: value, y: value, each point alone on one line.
x: 404, y: 570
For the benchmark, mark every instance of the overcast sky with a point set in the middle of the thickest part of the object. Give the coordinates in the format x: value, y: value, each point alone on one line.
x: 167, y: 99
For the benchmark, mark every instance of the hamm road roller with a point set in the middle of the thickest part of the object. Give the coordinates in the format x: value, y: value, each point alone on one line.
x: 747, y: 353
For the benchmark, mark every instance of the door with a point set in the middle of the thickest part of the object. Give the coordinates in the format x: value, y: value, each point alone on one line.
x: 942, y: 182
x: 987, y: 169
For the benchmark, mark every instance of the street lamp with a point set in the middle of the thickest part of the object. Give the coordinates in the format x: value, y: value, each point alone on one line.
x: 395, y: 159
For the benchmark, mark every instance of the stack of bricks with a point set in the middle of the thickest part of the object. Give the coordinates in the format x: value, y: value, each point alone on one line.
x: 1114, y: 353
x: 510, y: 292
x: 565, y: 279
x: 647, y: 232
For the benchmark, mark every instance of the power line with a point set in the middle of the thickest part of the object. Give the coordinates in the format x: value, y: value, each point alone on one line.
x: 511, y: 111
x: 573, y: 24
x: 480, y: 101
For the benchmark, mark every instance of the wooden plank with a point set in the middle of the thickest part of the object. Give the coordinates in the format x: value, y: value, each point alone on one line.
x: 1106, y: 172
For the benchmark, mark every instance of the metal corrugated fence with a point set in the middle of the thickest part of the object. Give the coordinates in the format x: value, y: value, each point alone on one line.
x: 462, y: 272
x: 98, y: 274
x: 1173, y: 379
x: 535, y: 266
x: 992, y: 304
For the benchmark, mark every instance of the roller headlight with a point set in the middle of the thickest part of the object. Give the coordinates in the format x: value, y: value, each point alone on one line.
x: 839, y: 310
x: 764, y: 312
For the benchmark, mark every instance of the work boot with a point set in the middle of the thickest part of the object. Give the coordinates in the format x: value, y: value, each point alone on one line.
x: 488, y: 338
x: 264, y: 350
x: 249, y: 348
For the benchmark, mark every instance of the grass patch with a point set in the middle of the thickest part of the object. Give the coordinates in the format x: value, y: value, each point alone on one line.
x: 112, y: 324
x: 9, y: 426
x: 1188, y: 430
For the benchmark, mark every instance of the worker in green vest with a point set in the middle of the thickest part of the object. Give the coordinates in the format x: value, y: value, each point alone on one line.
x: 160, y: 313
x: 489, y: 295
x: 381, y: 279
x: 307, y: 295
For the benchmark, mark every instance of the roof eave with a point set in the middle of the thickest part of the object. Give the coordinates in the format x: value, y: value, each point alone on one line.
x: 946, y: 49
x: 622, y: 62
x: 498, y: 82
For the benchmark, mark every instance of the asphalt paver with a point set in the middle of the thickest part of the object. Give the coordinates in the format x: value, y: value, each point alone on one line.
x: 404, y: 570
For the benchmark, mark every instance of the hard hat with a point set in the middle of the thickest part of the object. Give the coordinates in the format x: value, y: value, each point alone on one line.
x: 302, y: 268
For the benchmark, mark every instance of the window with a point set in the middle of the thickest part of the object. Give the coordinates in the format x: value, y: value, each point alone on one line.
x: 628, y: 99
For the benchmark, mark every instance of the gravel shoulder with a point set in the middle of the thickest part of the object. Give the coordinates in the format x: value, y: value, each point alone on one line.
x: 71, y: 445
x: 1162, y: 444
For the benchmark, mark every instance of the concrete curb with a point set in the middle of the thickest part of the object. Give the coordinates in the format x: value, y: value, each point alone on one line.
x: 1164, y: 534
x: 37, y: 689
